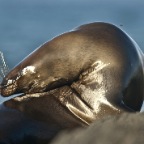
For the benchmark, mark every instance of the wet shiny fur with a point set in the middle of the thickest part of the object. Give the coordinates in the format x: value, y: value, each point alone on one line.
x: 90, y: 72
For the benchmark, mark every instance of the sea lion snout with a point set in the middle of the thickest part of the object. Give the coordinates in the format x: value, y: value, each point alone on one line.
x: 9, y: 84
x: 24, y: 80
x: 8, y: 87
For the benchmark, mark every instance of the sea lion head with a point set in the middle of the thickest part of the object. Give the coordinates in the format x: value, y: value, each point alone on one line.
x: 50, y: 66
x: 33, y: 77
x: 36, y: 73
x: 56, y: 63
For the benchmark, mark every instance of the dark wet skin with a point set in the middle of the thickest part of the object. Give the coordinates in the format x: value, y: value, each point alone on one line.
x: 76, y: 78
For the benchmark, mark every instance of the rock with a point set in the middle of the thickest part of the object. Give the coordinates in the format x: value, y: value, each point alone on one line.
x: 123, y: 129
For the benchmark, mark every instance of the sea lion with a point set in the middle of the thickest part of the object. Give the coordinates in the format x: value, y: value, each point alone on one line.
x: 92, y: 71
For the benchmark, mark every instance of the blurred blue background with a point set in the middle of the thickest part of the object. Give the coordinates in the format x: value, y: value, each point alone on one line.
x: 26, y: 24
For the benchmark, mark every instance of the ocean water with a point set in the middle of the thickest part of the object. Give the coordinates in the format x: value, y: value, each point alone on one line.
x: 26, y: 24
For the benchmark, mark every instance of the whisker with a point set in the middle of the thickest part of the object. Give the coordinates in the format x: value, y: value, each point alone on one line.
x: 3, y: 67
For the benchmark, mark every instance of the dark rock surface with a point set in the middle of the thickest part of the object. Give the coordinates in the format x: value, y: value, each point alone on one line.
x: 124, y: 129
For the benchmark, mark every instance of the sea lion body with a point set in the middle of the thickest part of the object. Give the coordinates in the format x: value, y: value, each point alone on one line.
x: 92, y: 71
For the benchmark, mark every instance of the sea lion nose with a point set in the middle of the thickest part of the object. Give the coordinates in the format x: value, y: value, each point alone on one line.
x: 8, y: 88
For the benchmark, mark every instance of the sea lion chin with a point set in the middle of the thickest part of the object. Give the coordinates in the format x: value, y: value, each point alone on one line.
x: 93, y: 71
